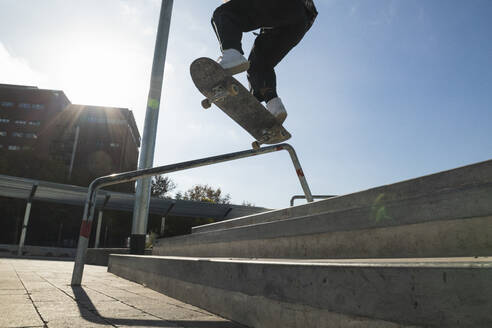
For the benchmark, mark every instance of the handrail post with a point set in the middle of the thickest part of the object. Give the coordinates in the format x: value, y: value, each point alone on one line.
x: 85, y: 233
x: 299, y: 172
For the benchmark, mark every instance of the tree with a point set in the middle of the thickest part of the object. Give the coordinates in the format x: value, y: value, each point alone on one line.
x: 204, y: 193
x: 161, y: 185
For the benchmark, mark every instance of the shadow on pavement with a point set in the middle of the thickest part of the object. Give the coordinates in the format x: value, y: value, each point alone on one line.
x: 85, y: 305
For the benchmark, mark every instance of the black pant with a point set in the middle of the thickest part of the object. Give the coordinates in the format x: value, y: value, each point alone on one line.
x: 283, y: 23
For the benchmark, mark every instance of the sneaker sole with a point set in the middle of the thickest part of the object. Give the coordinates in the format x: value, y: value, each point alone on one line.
x: 281, y: 118
x: 238, y: 69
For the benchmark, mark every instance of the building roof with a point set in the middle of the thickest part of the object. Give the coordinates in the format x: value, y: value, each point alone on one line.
x: 15, y: 86
x: 21, y: 188
x: 20, y: 90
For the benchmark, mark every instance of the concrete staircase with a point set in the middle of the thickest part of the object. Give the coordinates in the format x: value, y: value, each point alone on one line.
x: 414, y: 253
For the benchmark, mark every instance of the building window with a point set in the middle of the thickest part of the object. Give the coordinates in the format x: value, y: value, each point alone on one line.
x: 26, y: 147
x: 31, y: 135
x: 31, y: 106
x: 4, y: 120
x: 3, y: 134
x: 20, y: 122
x: 35, y: 123
x: 25, y: 105
x: 17, y: 134
x: 1, y: 146
x: 14, y: 147
x: 7, y: 104
x: 114, y: 145
x: 104, y: 120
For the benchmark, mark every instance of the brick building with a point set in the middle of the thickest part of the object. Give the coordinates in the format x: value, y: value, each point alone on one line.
x: 41, y: 126
x: 95, y: 140
x: 45, y: 137
x: 25, y: 113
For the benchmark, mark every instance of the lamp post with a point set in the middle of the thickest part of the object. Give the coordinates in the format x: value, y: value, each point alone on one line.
x: 146, y: 160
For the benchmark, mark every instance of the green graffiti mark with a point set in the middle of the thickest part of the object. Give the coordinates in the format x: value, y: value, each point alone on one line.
x: 378, y: 210
x: 153, y: 103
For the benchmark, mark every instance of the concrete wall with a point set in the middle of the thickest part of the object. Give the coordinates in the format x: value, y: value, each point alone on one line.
x: 451, y: 222
x: 100, y: 256
x: 479, y: 174
x: 435, y: 293
x: 38, y: 251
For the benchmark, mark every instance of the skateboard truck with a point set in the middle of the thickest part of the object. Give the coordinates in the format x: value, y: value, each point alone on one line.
x: 267, y: 135
x: 220, y: 93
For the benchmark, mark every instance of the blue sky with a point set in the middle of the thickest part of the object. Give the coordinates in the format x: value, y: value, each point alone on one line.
x: 378, y: 91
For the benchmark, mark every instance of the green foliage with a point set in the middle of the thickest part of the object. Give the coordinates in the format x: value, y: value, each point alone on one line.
x: 161, y: 186
x: 205, y: 193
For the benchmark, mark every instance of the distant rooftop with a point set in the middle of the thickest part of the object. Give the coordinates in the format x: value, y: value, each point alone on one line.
x: 17, y: 86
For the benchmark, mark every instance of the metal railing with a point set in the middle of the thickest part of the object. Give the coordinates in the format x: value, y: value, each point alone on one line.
x: 90, y: 205
x: 313, y: 196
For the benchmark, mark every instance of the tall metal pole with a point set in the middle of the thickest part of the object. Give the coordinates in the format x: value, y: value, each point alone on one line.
x: 146, y: 160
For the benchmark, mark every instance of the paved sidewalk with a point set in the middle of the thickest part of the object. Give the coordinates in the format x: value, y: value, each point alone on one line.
x: 37, y: 293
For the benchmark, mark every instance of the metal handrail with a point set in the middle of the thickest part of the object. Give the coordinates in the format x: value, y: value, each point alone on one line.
x: 90, y: 204
x: 314, y: 197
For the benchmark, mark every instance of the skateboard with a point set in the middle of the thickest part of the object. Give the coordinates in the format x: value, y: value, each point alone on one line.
x: 227, y: 93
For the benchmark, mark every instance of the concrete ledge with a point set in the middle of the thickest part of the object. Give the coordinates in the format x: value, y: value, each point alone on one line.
x: 41, y: 251
x: 100, y: 256
x: 479, y: 174
x: 454, y: 222
x: 279, y: 293
x: 444, y: 238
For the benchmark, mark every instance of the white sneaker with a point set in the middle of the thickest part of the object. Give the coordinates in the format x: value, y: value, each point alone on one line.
x: 232, y: 61
x: 277, y: 109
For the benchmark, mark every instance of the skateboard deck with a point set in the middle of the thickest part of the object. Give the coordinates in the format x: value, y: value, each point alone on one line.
x: 227, y: 93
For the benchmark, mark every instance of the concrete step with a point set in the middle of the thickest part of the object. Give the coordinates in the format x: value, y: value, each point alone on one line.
x: 452, y: 292
x: 448, y: 223
x: 467, y: 176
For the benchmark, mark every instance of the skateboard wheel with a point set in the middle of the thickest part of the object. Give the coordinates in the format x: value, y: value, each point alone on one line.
x: 206, y: 103
x: 234, y: 89
x: 255, y: 145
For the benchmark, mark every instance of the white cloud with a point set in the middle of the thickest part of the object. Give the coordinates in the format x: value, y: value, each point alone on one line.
x: 16, y: 70
x: 128, y: 10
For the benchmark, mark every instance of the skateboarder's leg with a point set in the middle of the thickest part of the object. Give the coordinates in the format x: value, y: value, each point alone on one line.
x: 237, y: 16
x: 229, y: 22
x: 270, y: 47
x: 234, y: 17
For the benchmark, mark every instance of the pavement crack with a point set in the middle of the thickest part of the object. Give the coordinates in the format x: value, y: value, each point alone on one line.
x: 45, y: 323
x: 130, y: 305
x: 79, y: 304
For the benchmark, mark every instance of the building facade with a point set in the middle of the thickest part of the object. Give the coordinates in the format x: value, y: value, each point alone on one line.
x: 25, y: 114
x: 95, y: 141
x: 40, y: 128
x: 45, y: 137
